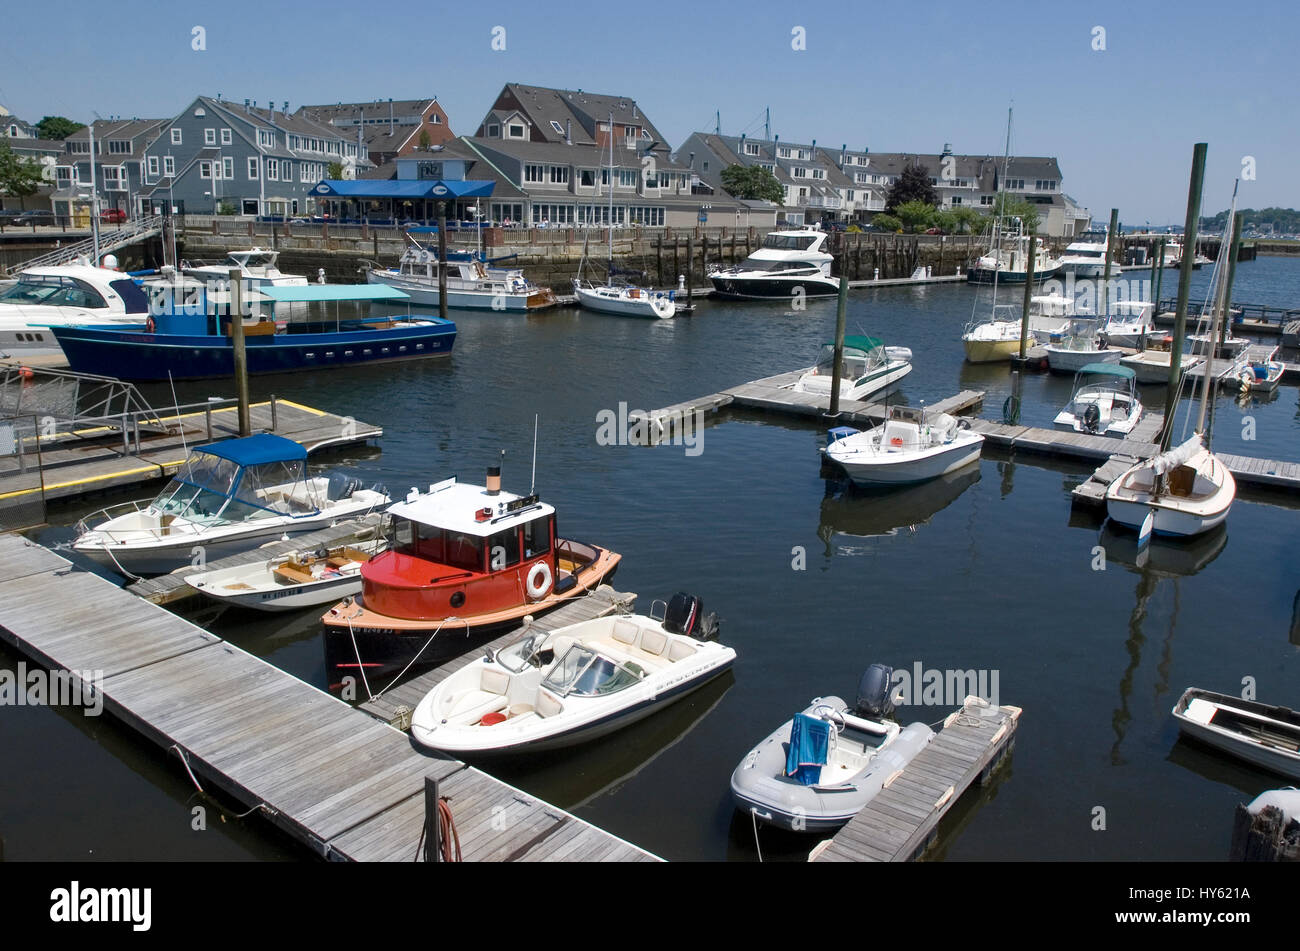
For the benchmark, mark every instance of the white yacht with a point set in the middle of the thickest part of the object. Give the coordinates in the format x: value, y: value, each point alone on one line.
x: 1104, y: 402
x: 471, y: 283
x: 1087, y: 259
x: 786, y: 263
x: 258, y: 266
x: 867, y: 367
x: 63, y: 294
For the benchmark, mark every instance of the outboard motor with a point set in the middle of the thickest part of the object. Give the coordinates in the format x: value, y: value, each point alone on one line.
x: 685, y: 615
x: 873, y: 692
x: 341, y: 486
x: 1092, y: 417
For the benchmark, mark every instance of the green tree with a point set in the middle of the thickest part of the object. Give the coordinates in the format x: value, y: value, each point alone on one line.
x: 19, y: 177
x: 424, y: 140
x: 915, y: 215
x: 912, y: 185
x: 752, y: 182
x: 886, y: 223
x: 335, y: 171
x: 57, y: 127
x: 966, y: 220
x: 1009, y: 206
x: 945, y: 221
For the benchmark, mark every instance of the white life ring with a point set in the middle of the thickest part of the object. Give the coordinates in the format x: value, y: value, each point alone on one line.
x: 539, y: 580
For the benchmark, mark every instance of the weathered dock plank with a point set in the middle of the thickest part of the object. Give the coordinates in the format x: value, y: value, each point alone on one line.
x: 899, y: 822
x: 339, y: 781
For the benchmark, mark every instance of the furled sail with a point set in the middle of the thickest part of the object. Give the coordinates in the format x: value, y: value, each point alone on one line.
x: 1167, y: 462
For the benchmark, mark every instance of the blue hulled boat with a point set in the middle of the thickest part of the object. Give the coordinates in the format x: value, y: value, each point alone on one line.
x: 187, y: 334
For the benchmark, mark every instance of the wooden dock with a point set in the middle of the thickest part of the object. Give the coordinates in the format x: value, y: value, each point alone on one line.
x: 341, y: 783
x: 395, y: 705
x: 902, y: 820
x: 171, y: 588
x: 907, y: 281
x: 73, y: 464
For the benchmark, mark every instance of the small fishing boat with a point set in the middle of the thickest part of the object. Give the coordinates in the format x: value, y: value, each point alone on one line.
x: 867, y: 367
x: 300, y: 580
x: 1152, y: 364
x: 187, y: 333
x: 819, y: 769
x: 1082, y: 343
x: 551, y: 689
x: 1007, y: 259
x: 910, y: 446
x: 1263, y: 735
x: 472, y: 282
x: 1129, y: 322
x: 462, y: 560
x: 1261, y: 376
x: 226, y: 498
x: 1104, y: 402
x: 787, y: 264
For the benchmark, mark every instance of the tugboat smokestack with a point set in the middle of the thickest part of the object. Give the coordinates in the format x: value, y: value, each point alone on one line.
x: 494, y: 480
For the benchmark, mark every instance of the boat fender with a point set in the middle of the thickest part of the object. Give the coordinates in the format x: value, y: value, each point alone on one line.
x: 539, y: 580
x: 963, y: 423
x: 149, y: 325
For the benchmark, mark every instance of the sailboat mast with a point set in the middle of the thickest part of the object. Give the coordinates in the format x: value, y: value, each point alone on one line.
x: 997, y: 218
x: 1220, y: 312
x: 611, y: 199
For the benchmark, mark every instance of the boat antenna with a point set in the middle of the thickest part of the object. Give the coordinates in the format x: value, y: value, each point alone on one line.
x: 533, y: 484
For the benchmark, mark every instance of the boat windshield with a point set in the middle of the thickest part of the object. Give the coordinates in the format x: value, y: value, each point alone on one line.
x: 211, y: 490
x: 854, y: 364
x: 758, y: 264
x: 789, y: 242
x: 582, y: 672
x: 52, y: 291
x: 251, y: 260
x: 515, y: 656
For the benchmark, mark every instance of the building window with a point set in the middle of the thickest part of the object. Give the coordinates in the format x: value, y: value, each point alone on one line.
x: 153, y: 166
x: 176, y: 136
x: 956, y: 199
x: 799, y: 172
x: 986, y: 199
x: 559, y: 174
x: 435, y: 118
x: 1045, y: 185
x: 783, y: 152
x: 803, y: 154
x: 273, y: 169
x: 205, y: 170
x: 267, y: 139
x: 819, y: 173
x: 123, y: 147
x: 557, y: 127
x: 751, y: 148
x: 252, y: 168
x: 515, y: 131
x: 626, y: 178
x: 225, y: 137
x: 169, y: 166
x: 494, y: 131
x: 587, y: 177
x: 534, y: 173
x: 706, y: 165
x: 1015, y: 184
x: 209, y: 136
x: 849, y: 194
x: 227, y: 168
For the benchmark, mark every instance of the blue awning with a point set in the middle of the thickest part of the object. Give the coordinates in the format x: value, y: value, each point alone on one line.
x: 256, y: 450
x: 400, y: 188
x: 297, y: 294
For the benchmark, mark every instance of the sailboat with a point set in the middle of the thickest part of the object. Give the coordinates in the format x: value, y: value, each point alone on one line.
x: 1185, y: 491
x: 623, y: 300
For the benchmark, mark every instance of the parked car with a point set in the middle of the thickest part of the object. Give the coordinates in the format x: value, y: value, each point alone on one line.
x: 35, y: 218
x: 113, y: 215
x: 935, y: 231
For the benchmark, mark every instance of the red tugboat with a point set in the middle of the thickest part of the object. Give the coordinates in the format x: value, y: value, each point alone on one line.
x: 463, y: 560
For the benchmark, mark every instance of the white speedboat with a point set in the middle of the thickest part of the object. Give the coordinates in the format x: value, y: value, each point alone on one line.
x: 788, y: 263
x: 1185, y: 491
x: 1080, y: 344
x: 226, y: 498
x: 1152, y: 364
x: 1261, y: 376
x: 819, y: 769
x: 1104, y: 402
x: 289, y: 582
x: 625, y: 300
x: 1262, y: 735
x: 910, y: 446
x: 547, y: 690
x: 867, y: 367
x: 1129, y: 322
x: 258, y: 266
x: 1087, y: 259
x: 471, y: 283
x: 65, y: 294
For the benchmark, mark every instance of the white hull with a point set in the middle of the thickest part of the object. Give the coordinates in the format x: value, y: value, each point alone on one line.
x: 1152, y: 366
x: 646, y: 305
x: 421, y: 292
x: 1245, y: 743
x: 1063, y: 360
x: 256, y: 587
x: 1129, y: 499
x: 902, y: 468
x: 855, y: 390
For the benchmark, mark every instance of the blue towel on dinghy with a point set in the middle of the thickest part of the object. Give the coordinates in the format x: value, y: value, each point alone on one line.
x: 809, y: 739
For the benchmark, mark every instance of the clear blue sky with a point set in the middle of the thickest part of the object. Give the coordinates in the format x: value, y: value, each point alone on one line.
x: 892, y: 77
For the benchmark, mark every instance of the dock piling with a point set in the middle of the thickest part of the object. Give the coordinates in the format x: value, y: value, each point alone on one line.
x: 241, y: 353
x: 1184, y: 289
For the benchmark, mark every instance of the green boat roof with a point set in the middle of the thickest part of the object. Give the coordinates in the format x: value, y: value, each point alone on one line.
x: 1109, y: 369
x: 857, y: 342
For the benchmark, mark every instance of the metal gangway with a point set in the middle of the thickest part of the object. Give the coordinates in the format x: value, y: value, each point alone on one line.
x: 109, y: 241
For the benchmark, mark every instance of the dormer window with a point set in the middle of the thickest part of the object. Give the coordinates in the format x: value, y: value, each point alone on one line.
x: 494, y: 131
x: 515, y: 130
x: 751, y: 148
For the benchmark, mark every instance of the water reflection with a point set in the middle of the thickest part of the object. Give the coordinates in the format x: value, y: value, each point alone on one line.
x: 848, y: 512
x: 1159, y: 560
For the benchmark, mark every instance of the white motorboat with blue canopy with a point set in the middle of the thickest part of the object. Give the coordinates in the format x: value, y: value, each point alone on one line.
x: 867, y: 367
x: 1104, y: 402
x: 910, y: 446
x: 226, y: 498
x: 550, y: 689
x: 819, y: 769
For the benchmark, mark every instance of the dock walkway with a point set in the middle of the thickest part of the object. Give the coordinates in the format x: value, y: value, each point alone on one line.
x: 902, y: 820
x: 71, y: 466
x: 333, y: 778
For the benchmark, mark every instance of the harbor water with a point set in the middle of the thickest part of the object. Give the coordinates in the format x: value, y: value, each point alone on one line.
x: 989, y: 572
